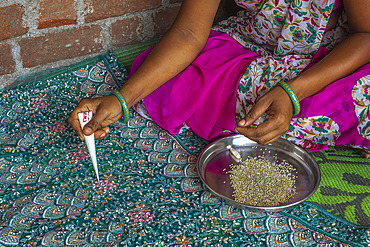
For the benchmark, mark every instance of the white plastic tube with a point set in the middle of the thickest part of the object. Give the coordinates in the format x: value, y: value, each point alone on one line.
x: 84, y: 118
x: 235, y: 155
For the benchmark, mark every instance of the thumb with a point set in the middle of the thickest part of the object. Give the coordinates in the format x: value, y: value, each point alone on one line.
x: 257, y: 110
x: 90, y: 127
x: 94, y: 124
x: 107, y: 112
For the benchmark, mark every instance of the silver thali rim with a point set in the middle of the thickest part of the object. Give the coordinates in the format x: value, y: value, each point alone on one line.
x: 315, y: 170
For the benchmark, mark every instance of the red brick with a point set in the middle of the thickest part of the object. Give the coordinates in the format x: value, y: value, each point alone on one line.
x: 60, y: 45
x: 127, y: 31
x: 163, y: 20
x: 7, y: 63
x: 11, y: 23
x: 54, y: 13
x: 98, y: 9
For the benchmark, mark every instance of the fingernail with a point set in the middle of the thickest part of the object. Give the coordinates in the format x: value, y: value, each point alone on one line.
x: 103, y: 135
x: 88, y: 130
x: 242, y: 122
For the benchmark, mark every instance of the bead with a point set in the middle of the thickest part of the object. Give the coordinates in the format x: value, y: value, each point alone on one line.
x: 260, y: 182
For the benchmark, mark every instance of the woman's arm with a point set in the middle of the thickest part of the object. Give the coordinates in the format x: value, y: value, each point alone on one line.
x: 176, y: 50
x: 344, y: 59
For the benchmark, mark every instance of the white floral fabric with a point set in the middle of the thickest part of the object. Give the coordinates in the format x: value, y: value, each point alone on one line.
x: 286, y: 34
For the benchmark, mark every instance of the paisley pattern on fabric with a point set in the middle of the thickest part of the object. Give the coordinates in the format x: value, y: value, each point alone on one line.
x: 149, y: 193
x: 98, y: 81
x: 140, y: 108
x: 361, y: 97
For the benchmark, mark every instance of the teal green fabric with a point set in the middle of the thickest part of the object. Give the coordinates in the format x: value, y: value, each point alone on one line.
x: 149, y: 193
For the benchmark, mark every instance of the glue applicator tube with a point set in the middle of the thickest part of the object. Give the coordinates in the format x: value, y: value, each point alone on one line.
x: 84, y: 118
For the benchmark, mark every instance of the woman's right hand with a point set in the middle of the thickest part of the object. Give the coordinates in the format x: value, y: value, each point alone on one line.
x: 106, y: 110
x: 176, y: 50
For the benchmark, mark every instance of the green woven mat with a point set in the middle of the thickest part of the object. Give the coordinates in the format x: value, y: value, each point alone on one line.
x: 345, y: 184
x: 128, y: 54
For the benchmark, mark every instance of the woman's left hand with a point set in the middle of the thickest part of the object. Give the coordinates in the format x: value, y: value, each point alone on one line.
x: 279, y: 108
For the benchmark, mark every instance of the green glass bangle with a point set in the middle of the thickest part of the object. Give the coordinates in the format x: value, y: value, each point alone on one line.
x: 293, y: 97
x: 123, y: 102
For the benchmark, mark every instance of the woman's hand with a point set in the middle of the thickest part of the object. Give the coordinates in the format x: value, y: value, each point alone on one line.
x: 349, y: 55
x: 176, y: 50
x: 106, y: 110
x: 279, y: 108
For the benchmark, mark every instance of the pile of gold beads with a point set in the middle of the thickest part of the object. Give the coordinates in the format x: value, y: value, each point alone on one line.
x: 260, y: 182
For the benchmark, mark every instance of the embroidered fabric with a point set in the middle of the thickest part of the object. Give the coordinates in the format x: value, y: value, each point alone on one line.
x: 149, y: 192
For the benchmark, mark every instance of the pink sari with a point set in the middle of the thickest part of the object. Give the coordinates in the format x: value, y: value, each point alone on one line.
x: 203, y: 96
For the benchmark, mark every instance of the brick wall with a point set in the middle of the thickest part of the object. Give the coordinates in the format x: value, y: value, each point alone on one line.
x: 41, y: 34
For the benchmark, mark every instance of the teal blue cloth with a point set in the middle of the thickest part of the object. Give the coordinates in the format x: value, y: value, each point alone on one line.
x: 149, y: 194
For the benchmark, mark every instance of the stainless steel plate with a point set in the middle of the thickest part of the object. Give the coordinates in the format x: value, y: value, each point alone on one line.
x: 214, y: 161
